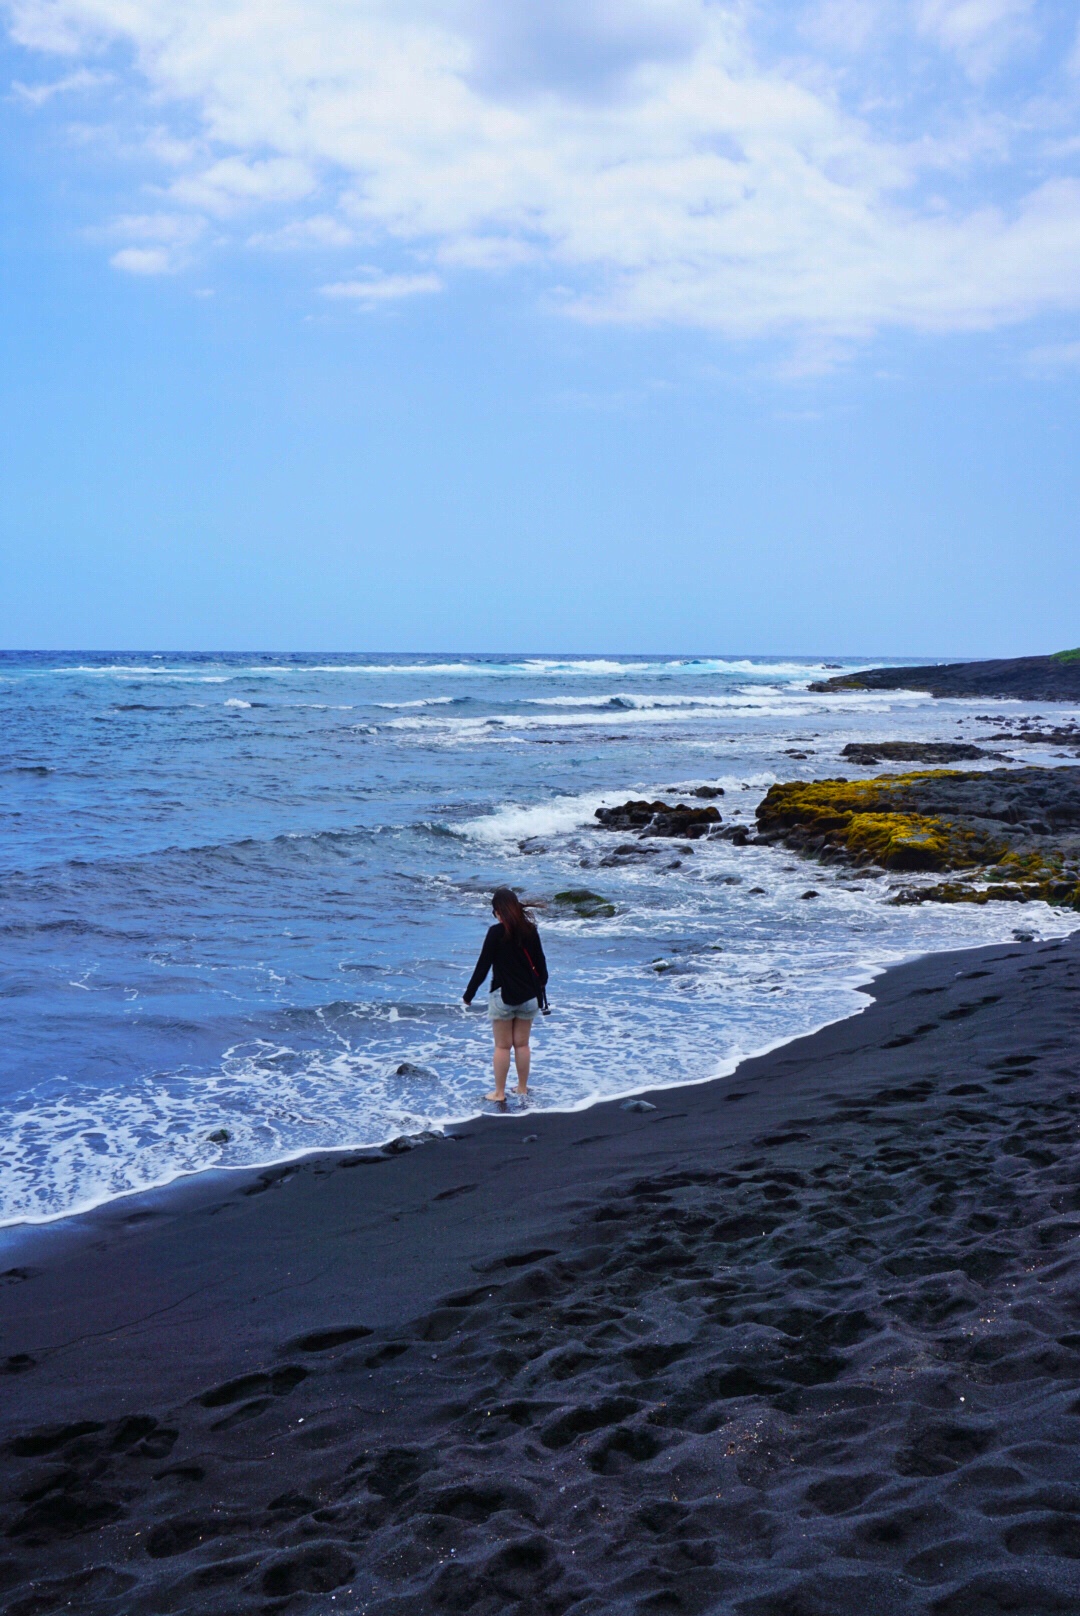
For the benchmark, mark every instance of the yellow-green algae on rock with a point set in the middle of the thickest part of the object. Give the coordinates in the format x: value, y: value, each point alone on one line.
x: 874, y: 821
x: 1017, y: 879
x: 884, y: 821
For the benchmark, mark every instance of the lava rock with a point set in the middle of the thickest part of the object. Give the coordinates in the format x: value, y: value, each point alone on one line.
x: 1040, y: 678
x: 585, y: 904
x: 868, y: 753
x: 660, y: 819
x: 1021, y: 823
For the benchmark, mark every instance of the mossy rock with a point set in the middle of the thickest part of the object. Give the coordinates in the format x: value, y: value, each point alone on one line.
x: 942, y: 820
x: 1067, y: 656
x: 585, y: 904
x: 1063, y: 894
x: 872, y: 821
x: 907, y: 842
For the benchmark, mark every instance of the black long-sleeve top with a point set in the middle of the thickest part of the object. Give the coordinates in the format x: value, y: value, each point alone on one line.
x: 510, y: 973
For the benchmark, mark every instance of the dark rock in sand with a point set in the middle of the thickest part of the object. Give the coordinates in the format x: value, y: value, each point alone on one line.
x: 1042, y: 678
x: 660, y: 819
x: 868, y: 753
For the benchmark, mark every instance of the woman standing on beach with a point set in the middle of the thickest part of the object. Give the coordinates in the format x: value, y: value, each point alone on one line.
x: 512, y: 952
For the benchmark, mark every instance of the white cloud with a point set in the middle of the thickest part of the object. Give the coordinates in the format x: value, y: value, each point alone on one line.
x: 983, y: 34
x: 375, y: 288
x: 171, y: 229
x: 155, y: 243
x: 316, y: 230
x: 142, y: 260
x: 37, y: 95
x: 1054, y: 357
x: 848, y: 26
x: 231, y: 184
x: 663, y: 160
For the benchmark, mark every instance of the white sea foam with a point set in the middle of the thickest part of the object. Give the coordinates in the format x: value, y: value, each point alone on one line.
x: 123, y: 670
x: 514, y: 822
x: 764, y: 668
x: 421, y: 701
x: 583, y: 667
x: 591, y: 666
x: 234, y: 701
x: 570, y: 666
x: 692, y: 1023
x: 410, y: 667
x: 604, y: 719
x: 617, y: 713
x: 629, y: 700
x: 624, y: 701
x: 693, y: 970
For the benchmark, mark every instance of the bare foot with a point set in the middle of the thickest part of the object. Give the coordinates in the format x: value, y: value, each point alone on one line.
x: 499, y: 1097
x: 522, y: 1093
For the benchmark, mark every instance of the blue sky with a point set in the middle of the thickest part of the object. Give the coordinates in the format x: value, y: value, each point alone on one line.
x: 572, y: 324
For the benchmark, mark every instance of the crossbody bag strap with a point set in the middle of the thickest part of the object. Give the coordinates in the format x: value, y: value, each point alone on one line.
x: 541, y: 991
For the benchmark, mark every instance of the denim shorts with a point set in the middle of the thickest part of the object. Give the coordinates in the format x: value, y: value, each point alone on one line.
x: 498, y: 1011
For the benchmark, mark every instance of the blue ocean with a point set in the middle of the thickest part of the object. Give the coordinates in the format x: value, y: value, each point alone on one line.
x: 242, y: 894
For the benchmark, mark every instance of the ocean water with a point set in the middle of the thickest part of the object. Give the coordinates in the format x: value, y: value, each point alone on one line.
x: 244, y: 894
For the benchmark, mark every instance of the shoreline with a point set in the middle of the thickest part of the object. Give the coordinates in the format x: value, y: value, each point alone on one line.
x: 859, y: 981
x: 440, y: 1130
x: 191, y: 1194
x: 1032, y: 678
x: 808, y: 1341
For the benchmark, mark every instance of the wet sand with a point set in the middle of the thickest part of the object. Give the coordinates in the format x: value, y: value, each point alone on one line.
x: 802, y: 1342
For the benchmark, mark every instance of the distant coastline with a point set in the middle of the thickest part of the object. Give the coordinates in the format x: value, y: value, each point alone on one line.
x: 1036, y: 678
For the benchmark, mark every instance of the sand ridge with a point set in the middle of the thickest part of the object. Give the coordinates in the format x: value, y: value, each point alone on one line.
x: 820, y: 1361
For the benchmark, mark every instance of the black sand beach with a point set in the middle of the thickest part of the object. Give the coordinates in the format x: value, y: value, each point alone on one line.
x: 798, y: 1343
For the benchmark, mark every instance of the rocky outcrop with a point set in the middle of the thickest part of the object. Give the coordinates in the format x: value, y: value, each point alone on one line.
x: 585, y: 904
x: 1027, y: 732
x: 869, y: 753
x: 660, y: 819
x: 1014, y: 832
x: 1042, y: 678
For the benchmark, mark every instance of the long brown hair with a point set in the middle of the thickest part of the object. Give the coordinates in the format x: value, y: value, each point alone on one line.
x: 517, y: 923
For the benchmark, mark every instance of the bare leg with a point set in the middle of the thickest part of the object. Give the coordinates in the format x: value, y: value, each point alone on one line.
x: 522, y: 1053
x: 504, y: 1038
